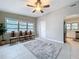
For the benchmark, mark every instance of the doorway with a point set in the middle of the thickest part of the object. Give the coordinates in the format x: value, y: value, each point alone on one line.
x: 71, y: 29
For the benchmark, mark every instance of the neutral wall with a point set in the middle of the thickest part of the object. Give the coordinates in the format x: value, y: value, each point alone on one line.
x: 54, y: 22
x: 41, y: 27
x: 23, y: 18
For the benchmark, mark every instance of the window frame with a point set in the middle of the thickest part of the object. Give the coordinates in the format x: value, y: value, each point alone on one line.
x: 70, y: 26
x: 6, y: 24
x: 32, y: 26
x: 18, y: 25
x: 77, y: 25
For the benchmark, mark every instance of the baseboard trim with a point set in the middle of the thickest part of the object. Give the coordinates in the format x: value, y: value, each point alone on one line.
x: 50, y: 40
x: 56, y: 41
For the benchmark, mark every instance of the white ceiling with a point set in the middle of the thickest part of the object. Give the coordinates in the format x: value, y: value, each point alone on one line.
x: 19, y: 6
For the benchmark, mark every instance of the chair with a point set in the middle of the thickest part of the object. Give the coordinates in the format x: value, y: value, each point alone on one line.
x: 31, y: 36
x: 13, y: 37
x: 21, y: 36
x: 26, y: 35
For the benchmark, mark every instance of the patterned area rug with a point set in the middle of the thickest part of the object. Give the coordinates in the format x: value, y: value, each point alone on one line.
x: 44, y: 49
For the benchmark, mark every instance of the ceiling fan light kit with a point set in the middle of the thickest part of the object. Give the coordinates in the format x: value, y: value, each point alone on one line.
x: 38, y: 6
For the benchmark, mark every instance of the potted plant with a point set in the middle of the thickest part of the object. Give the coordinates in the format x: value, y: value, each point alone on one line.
x: 2, y: 31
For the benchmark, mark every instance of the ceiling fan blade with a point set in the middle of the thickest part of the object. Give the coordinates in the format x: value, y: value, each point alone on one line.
x: 41, y: 11
x: 34, y: 11
x: 30, y: 5
x: 45, y: 6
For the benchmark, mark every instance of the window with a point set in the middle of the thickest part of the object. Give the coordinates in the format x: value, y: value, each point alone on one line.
x: 68, y: 26
x: 14, y: 25
x: 11, y: 25
x: 30, y: 26
x: 74, y: 26
x: 22, y: 26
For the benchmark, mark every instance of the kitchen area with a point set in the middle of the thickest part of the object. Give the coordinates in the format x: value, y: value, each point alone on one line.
x: 72, y: 28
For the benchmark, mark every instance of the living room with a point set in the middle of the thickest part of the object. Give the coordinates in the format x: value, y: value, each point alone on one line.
x: 36, y: 32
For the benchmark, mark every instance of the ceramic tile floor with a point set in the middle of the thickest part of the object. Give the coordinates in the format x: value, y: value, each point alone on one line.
x: 18, y: 51
x: 74, y: 48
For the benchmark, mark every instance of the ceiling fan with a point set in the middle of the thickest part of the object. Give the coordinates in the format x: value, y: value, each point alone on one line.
x: 38, y: 6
